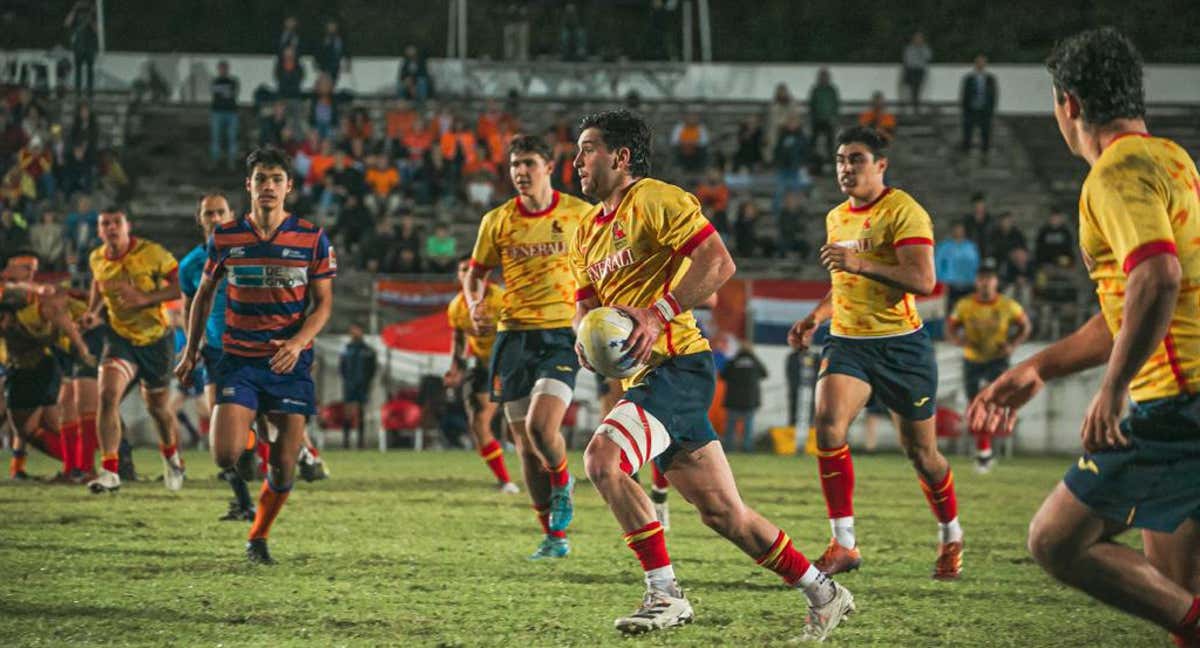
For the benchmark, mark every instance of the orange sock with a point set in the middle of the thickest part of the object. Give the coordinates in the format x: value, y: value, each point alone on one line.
x: 270, y: 502
x: 17, y: 465
x: 89, y: 442
x: 110, y: 461
x: 251, y: 441
x: 493, y: 454
x: 559, y: 475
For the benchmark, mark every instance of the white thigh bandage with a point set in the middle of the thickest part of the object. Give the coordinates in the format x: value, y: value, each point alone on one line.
x: 515, y: 411
x: 640, y: 436
x: 551, y: 387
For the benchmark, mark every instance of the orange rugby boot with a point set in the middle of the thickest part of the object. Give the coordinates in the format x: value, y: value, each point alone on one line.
x: 838, y: 559
x: 949, y: 561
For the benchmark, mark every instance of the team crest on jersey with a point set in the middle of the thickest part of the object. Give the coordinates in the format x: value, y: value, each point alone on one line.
x: 556, y: 230
x: 620, y: 239
x: 867, y: 224
x: 237, y: 252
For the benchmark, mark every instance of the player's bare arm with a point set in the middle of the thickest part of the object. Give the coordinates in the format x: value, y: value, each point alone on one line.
x: 1151, y: 290
x: 995, y: 408
x: 130, y: 297
x: 955, y: 333
x: 458, y: 360
x: 711, y: 267
x: 581, y: 309
x: 914, y: 273
x: 474, y: 289
x: 288, y: 352
x: 200, y: 307
x: 801, y: 334
x: 91, y: 317
x: 54, y: 309
x: 1024, y: 330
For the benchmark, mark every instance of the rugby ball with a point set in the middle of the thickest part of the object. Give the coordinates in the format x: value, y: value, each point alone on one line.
x: 601, y: 335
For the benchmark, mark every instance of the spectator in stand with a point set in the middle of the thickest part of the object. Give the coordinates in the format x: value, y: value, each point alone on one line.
x: 398, y: 121
x: 413, y: 76
x: 793, y: 226
x: 85, y: 42
x: 12, y: 139
x: 46, y: 239
x: 223, y: 117
x: 460, y: 153
x: 35, y: 161
x: 111, y: 178
x: 289, y: 38
x: 408, y: 262
x: 347, y: 175
x: 14, y: 237
x: 270, y: 128
x: 1018, y: 276
x: 516, y: 32
x: 877, y: 116
x: 384, y: 181
x: 824, y: 110
x: 779, y: 111
x: 78, y: 172
x: 713, y: 195
x: 332, y: 53
x: 323, y: 110
x: 319, y: 164
x: 572, y: 37
x: 745, y: 228
x: 358, y: 127
x: 83, y: 129
x: 151, y: 86
x: 353, y: 221
x: 792, y: 155
x: 1055, y: 243
x: 17, y: 189
x: 409, y: 236
x: 1005, y: 239
x: 978, y: 224
x: 289, y: 75
x: 956, y: 260
x: 743, y: 375
x: 441, y: 250
x: 977, y: 99
x: 356, y: 365
x: 379, y: 247
x: 689, y: 139
x: 749, y: 154
x: 916, y: 59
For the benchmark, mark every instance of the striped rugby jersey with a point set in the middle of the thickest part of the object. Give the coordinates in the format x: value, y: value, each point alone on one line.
x: 267, y: 291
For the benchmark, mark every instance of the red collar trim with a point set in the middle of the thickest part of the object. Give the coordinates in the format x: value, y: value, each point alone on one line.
x: 1127, y: 134
x: 857, y: 210
x: 132, y: 242
x: 524, y: 211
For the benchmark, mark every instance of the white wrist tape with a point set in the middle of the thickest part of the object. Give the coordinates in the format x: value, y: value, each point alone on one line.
x: 667, y: 308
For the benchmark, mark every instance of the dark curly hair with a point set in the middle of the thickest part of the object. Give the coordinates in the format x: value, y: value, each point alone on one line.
x: 1103, y: 69
x: 623, y: 129
x: 269, y: 156
x: 530, y: 144
x: 867, y: 136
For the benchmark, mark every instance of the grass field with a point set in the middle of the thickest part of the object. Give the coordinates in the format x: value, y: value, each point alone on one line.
x: 417, y: 549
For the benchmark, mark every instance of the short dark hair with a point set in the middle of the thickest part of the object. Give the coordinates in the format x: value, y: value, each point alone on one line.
x: 111, y: 209
x: 1103, y: 69
x: 978, y: 196
x: 867, y: 136
x: 623, y: 129
x: 268, y: 156
x: 524, y: 143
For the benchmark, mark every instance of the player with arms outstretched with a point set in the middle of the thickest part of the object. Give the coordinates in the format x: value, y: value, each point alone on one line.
x: 649, y: 251
x: 533, y: 365
x: 1139, y: 234
x: 133, y: 278
x: 279, y: 296
x: 879, y: 252
x: 472, y: 348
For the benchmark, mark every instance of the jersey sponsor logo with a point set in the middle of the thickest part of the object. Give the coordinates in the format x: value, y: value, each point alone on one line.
x: 267, y: 276
x: 229, y: 391
x: 289, y: 253
x: 921, y: 402
x: 857, y: 245
x: 600, y: 269
x: 528, y: 250
x: 292, y: 401
x: 237, y: 252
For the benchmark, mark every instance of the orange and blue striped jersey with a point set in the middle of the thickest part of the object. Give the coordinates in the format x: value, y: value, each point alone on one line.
x: 146, y: 265
x: 1141, y: 199
x: 268, y: 279
x: 863, y: 307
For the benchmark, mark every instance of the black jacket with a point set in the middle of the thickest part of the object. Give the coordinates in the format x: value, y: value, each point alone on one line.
x: 990, y: 93
x: 743, y: 373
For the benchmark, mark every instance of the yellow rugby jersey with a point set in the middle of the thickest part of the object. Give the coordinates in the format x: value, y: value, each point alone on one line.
x: 635, y: 255
x: 148, y: 266
x: 863, y: 307
x: 531, y: 250
x: 1142, y: 198
x: 478, y: 346
x: 32, y: 338
x: 986, y: 325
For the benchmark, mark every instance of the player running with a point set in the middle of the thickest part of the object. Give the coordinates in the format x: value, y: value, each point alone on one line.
x: 1139, y: 234
x: 879, y: 252
x: 988, y: 326
x: 133, y: 278
x: 648, y: 250
x: 468, y: 372
x: 279, y: 296
x: 533, y: 365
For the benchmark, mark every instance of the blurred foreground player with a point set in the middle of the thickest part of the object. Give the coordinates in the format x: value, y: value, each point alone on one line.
x: 280, y: 271
x: 1139, y: 469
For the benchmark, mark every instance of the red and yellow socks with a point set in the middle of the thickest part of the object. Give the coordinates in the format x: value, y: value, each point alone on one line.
x: 650, y: 546
x: 784, y: 559
x: 88, y: 441
x: 543, y: 516
x: 837, y: 480
x: 72, y: 449
x: 1187, y: 634
x: 270, y: 502
x: 493, y: 455
x: 110, y: 461
x: 559, y: 475
x: 657, y: 478
x: 941, y: 497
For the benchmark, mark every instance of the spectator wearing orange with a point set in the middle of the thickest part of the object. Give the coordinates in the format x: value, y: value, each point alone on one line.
x: 319, y: 164
x: 713, y: 195
x: 399, y: 120
x: 690, y: 141
x: 877, y: 116
x: 383, y: 180
x: 360, y: 126
x: 460, y: 151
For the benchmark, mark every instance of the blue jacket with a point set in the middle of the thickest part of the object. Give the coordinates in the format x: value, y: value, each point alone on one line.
x: 956, y: 262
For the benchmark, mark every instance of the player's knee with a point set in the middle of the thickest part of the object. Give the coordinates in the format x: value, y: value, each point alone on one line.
x: 721, y: 516
x: 225, y: 457
x: 1047, y: 548
x: 602, y: 465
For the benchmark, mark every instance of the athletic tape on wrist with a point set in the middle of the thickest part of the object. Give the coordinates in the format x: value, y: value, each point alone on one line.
x: 667, y: 308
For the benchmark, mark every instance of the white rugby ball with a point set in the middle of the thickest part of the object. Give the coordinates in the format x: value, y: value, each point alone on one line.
x: 601, y: 335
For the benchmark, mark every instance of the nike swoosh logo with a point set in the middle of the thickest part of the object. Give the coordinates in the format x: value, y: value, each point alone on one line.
x: 1089, y: 465
x: 828, y: 475
x: 921, y: 402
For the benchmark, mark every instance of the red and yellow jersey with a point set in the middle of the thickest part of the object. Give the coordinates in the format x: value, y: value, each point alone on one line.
x: 148, y: 267
x: 478, y: 346
x: 33, y: 336
x: 1142, y: 198
x: 986, y: 325
x: 531, y: 250
x: 636, y: 254
x: 863, y: 307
